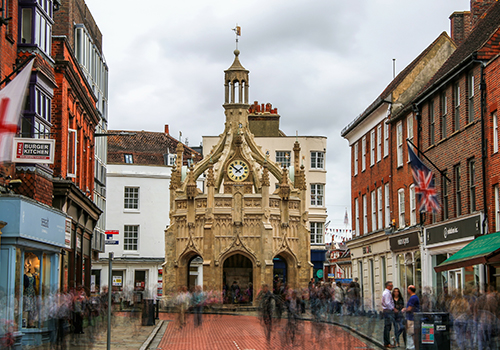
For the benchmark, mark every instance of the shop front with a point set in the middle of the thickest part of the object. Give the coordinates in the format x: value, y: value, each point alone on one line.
x: 30, y: 250
x: 405, y: 248
x: 443, y: 241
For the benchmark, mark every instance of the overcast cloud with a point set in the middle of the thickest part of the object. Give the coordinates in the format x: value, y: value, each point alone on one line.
x: 321, y: 63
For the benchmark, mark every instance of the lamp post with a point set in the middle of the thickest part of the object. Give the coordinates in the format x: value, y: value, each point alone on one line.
x: 110, y: 280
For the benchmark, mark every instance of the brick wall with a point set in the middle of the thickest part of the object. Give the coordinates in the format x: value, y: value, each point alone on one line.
x: 8, y: 41
x: 459, y: 147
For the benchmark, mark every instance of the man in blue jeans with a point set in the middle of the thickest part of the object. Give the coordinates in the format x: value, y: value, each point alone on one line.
x: 412, y: 307
x: 388, y: 310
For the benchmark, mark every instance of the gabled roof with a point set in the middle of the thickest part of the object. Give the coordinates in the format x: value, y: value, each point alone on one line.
x: 482, y: 43
x: 146, y: 147
x: 392, y: 86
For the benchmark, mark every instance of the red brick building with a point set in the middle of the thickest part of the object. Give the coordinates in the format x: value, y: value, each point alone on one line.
x: 379, y: 172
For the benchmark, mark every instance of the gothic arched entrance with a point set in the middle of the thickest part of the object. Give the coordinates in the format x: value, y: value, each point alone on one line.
x: 279, y: 270
x: 237, y: 277
x: 195, y: 272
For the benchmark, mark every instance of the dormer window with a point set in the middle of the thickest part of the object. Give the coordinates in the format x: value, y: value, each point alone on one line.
x: 129, y: 159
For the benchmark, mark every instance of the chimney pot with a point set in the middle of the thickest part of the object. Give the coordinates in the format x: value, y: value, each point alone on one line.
x: 166, y: 129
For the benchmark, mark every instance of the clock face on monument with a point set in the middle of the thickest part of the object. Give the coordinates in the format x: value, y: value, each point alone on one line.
x: 238, y: 170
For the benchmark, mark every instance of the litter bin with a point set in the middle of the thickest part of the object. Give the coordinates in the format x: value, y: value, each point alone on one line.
x: 148, y: 312
x: 432, y: 330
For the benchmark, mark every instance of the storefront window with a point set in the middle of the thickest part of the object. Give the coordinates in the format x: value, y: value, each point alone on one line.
x: 418, y: 271
x: 31, y: 290
x: 17, y: 288
x: 441, y: 277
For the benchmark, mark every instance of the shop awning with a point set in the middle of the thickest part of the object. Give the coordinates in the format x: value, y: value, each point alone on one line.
x: 482, y: 250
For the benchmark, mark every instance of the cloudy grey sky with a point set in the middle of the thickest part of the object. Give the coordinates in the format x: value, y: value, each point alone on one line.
x: 321, y: 63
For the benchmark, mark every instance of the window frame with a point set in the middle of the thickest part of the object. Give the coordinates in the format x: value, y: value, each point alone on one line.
x: 456, y: 97
x: 128, y: 158
x: 409, y: 131
x: 355, y: 160
x: 495, y: 131
x: 470, y: 82
x: 380, y: 206
x: 472, y: 186
x: 317, y: 161
x: 432, y: 124
x: 444, y: 114
x: 401, y: 207
x: 399, y: 142
x: 497, y: 207
x: 386, y: 140
x: 458, y: 189
x: 372, y: 147
x: 286, y: 161
x: 131, y: 198
x: 318, y: 226
x: 413, y: 206
x: 72, y: 159
x: 317, y: 194
x: 365, y: 215
x: 387, y: 205
x: 379, y: 143
x: 363, y: 153
x: 374, y: 210
x: 125, y: 238
x: 356, y: 212
x: 446, y: 196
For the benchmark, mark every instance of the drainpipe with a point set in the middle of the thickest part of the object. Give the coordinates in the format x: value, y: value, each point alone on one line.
x: 484, y: 148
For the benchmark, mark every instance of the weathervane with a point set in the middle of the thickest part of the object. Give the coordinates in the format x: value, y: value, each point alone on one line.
x: 237, y: 31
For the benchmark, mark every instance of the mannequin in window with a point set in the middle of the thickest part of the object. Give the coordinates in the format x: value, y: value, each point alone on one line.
x: 29, y: 293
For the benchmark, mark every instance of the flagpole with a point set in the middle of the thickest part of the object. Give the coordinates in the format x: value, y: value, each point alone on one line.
x: 434, y: 165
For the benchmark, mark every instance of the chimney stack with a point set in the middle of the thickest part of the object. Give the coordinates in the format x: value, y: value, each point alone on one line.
x: 166, y: 129
x: 460, y: 26
x: 478, y: 8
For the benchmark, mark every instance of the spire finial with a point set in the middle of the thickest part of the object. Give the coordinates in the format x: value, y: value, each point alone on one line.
x: 237, y: 31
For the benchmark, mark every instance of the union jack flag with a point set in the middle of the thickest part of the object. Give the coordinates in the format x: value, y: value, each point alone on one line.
x: 425, y: 187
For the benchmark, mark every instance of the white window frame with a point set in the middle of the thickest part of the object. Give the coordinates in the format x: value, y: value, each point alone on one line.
x: 365, y: 215
x: 409, y: 131
x: 387, y: 205
x: 372, y: 148
x: 356, y: 212
x: 127, y: 232
x: 379, y: 143
x: 380, y: 207
x: 171, y: 158
x: 363, y: 153
x: 413, y: 206
x: 386, y: 140
x: 317, y: 160
x: 355, y: 159
x: 495, y: 132
x: 75, y: 149
x: 317, y: 233
x: 399, y: 136
x: 317, y: 195
x: 374, y: 211
x: 131, y: 198
x: 401, y: 207
x: 282, y: 159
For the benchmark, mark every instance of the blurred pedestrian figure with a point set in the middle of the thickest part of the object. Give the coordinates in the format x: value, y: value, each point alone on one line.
x: 399, y: 324
x: 388, y: 311
x: 487, y: 322
x: 266, y: 307
x: 459, y: 309
x: 235, y: 292
x: 357, y: 293
x: 339, y: 298
x: 198, y: 301
x: 250, y: 292
x: 412, y: 306
x: 183, y: 304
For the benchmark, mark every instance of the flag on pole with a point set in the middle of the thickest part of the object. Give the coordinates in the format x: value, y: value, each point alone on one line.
x: 346, y: 218
x: 11, y: 101
x: 425, y: 187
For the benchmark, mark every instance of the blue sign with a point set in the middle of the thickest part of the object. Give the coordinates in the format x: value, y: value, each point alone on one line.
x: 29, y: 219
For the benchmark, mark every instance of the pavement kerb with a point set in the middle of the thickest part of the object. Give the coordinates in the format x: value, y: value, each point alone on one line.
x: 151, y: 336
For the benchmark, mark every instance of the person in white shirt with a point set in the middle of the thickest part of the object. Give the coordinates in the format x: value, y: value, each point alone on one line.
x: 388, y: 310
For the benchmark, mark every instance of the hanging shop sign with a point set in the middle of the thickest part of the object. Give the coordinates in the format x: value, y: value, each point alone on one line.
x: 467, y: 227
x: 403, y: 242
x: 33, y: 151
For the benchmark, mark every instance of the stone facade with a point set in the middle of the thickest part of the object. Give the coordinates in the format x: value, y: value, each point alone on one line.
x: 237, y: 226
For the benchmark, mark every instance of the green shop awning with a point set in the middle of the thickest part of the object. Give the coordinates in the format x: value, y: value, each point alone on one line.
x: 484, y: 249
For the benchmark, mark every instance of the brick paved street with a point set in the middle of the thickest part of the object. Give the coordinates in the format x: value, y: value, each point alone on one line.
x: 220, y: 332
